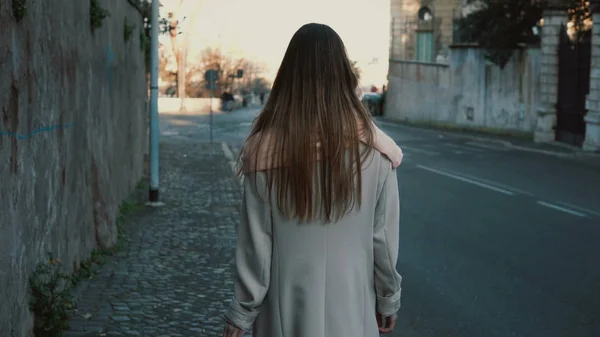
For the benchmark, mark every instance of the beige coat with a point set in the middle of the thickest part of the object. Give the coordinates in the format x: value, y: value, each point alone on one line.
x: 316, y: 279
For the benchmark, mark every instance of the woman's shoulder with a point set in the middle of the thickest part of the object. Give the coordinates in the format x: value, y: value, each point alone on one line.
x: 387, y: 146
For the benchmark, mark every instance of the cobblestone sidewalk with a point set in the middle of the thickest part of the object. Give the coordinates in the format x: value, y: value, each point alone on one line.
x: 174, y: 275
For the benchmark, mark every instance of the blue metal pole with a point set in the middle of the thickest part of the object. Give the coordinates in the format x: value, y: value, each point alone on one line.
x: 211, y: 117
x: 154, y: 130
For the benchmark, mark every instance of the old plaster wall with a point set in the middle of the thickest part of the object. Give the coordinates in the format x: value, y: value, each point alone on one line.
x: 469, y: 92
x: 72, y: 137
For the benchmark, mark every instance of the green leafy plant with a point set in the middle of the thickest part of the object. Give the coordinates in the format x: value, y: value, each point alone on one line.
x: 88, y: 268
x: 51, y: 302
x: 581, y: 16
x: 145, y: 48
x: 500, y: 27
x: 19, y: 8
x: 128, y: 29
x: 97, y: 14
x: 164, y: 26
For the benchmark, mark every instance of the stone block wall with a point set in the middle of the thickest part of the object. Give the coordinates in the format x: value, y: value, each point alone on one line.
x: 72, y: 138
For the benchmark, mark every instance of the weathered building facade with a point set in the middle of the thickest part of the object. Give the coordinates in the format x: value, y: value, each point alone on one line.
x: 423, y: 30
x: 549, y: 91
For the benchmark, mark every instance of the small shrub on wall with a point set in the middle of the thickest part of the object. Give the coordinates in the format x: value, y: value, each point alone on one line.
x: 97, y: 14
x: 128, y: 30
x: 19, y: 8
x: 51, y: 301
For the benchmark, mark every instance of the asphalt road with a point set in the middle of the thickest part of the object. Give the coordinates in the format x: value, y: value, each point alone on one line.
x: 495, y: 242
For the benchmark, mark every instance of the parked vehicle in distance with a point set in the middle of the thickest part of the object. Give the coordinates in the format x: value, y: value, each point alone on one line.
x: 372, y: 101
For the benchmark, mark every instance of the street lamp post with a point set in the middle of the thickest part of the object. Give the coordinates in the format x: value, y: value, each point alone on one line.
x: 154, y: 131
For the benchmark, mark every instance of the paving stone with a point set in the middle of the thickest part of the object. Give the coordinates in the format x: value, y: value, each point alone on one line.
x: 120, y: 318
x: 174, y: 273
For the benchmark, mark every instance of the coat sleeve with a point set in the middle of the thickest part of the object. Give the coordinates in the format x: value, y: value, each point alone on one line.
x: 253, y: 253
x: 385, y: 245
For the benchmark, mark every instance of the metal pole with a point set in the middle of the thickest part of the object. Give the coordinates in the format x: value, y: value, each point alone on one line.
x: 211, y: 117
x: 154, y: 132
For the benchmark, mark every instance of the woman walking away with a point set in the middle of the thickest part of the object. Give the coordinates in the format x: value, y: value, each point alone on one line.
x: 318, y: 239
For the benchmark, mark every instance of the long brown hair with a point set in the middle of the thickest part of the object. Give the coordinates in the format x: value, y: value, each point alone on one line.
x: 314, y: 101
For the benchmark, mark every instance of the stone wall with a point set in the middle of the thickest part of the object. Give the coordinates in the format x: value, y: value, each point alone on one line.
x: 72, y: 138
x: 418, y: 91
x: 592, y: 118
x: 469, y: 92
x: 172, y: 105
x: 546, y: 112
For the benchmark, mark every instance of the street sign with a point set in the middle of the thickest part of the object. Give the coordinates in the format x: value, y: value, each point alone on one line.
x: 212, y: 77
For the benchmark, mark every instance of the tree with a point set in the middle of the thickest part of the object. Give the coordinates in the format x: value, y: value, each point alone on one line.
x: 580, y: 15
x: 259, y: 85
x: 500, y: 26
x: 195, y: 86
x: 180, y: 42
x: 226, y: 65
x: 166, y: 71
x: 253, y: 82
x: 356, y: 69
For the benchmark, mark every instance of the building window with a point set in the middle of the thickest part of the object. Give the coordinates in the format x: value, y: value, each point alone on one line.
x: 425, y: 14
x: 424, y: 46
x: 424, y: 52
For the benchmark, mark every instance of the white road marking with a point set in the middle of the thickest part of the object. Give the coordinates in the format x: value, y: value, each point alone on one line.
x: 418, y: 150
x: 487, y: 146
x: 583, y: 209
x: 491, y: 182
x: 562, y: 209
x: 466, y: 180
x: 467, y: 148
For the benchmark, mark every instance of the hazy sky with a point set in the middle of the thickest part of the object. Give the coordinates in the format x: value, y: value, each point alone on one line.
x: 261, y: 29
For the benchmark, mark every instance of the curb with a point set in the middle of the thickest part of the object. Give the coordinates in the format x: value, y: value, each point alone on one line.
x: 232, y: 161
x: 574, y: 152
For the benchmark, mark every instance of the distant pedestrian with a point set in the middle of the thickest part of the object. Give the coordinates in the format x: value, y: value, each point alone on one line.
x: 317, y: 243
x: 262, y: 98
